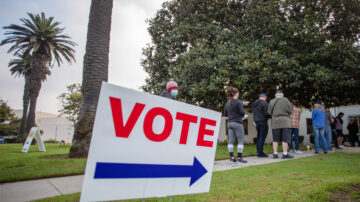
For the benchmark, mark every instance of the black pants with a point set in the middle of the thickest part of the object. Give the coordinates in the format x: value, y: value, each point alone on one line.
x: 335, y: 138
x: 262, y: 130
x: 354, y: 138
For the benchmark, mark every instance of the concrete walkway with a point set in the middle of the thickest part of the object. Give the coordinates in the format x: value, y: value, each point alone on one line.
x: 253, y: 160
x: 38, y: 189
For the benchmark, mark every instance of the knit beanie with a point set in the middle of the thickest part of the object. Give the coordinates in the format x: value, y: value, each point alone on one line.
x: 171, y: 85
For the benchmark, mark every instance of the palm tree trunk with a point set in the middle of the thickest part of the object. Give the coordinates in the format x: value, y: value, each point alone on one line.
x: 26, y: 98
x: 95, y: 71
x: 37, y: 71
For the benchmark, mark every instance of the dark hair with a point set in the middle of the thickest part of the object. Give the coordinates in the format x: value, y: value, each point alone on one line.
x: 341, y: 114
x: 231, y: 91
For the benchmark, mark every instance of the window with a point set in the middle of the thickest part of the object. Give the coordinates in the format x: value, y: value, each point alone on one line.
x: 309, y: 127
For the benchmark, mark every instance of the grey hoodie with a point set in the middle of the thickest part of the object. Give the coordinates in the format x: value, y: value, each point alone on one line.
x: 235, y: 112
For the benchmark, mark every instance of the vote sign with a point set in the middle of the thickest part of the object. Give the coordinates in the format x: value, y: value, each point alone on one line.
x: 144, y: 145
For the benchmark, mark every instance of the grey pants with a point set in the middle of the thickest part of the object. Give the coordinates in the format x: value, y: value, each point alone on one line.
x: 236, y: 130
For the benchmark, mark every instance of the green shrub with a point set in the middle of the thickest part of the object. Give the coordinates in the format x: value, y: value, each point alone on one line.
x: 51, y: 141
x: 8, y: 129
x: 11, y: 139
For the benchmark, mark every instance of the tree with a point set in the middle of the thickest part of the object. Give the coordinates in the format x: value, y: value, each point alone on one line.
x: 6, y: 113
x: 310, y: 49
x: 21, y: 67
x: 8, y: 121
x: 41, y: 38
x: 95, y: 71
x: 70, y: 102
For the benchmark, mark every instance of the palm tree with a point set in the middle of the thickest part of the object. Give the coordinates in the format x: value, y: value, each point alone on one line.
x: 95, y: 71
x: 40, y: 37
x: 21, y: 67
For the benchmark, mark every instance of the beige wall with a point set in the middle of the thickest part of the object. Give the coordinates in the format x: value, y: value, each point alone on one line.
x: 249, y: 138
x: 53, y: 126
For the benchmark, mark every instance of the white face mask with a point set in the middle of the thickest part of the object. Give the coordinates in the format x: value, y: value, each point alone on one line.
x: 174, y: 93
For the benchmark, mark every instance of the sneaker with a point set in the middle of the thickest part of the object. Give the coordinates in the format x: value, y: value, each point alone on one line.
x: 338, y: 148
x: 275, y: 156
x: 240, y: 160
x: 263, y: 155
x: 291, y: 150
x: 298, y: 152
x: 232, y: 160
x: 287, y: 156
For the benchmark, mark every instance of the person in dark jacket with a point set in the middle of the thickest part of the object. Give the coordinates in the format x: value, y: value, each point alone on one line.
x: 260, y: 116
x: 353, y: 130
x: 235, y: 112
x: 171, y: 90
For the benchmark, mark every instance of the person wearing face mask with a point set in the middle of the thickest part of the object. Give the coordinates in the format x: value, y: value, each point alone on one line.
x: 171, y: 90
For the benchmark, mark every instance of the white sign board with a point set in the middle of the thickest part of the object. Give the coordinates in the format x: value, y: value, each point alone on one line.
x: 34, y: 133
x: 145, y: 146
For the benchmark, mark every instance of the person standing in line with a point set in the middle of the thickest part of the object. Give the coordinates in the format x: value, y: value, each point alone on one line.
x: 171, y: 90
x: 329, y: 118
x: 280, y: 109
x: 353, y: 130
x: 235, y: 112
x: 318, y: 117
x: 339, y: 129
x: 260, y: 114
x: 334, y: 135
x: 294, y: 133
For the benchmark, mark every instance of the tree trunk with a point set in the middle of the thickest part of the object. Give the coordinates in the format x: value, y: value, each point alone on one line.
x: 95, y: 71
x: 34, y: 85
x: 26, y: 98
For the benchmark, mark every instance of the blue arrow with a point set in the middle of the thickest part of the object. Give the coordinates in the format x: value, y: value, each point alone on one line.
x: 128, y: 170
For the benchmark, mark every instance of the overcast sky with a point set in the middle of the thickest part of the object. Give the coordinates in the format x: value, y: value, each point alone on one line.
x: 128, y: 36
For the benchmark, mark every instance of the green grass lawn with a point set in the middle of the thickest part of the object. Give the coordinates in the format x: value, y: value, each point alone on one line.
x: 15, y: 165
x: 314, y: 178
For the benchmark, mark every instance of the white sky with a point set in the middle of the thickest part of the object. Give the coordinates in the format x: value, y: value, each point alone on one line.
x: 128, y: 36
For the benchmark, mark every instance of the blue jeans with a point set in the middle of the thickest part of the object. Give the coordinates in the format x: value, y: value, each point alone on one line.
x: 319, y: 138
x: 295, y: 132
x: 262, y: 130
x: 328, y: 136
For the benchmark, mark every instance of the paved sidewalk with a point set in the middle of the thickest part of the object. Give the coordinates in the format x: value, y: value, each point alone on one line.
x: 38, y: 189
x: 253, y: 160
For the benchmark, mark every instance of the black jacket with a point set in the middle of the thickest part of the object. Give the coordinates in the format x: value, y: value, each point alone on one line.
x: 235, y: 112
x: 353, y: 128
x: 260, y: 108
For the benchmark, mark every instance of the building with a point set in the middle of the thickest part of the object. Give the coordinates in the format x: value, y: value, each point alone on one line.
x: 350, y: 111
x: 53, y: 126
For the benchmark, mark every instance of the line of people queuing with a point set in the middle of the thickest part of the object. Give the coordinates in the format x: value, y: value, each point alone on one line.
x: 328, y: 128
x: 279, y: 109
x: 285, y: 118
